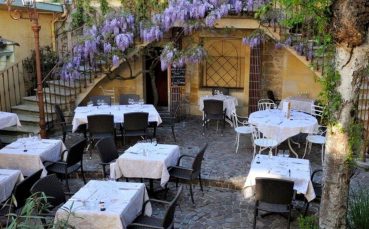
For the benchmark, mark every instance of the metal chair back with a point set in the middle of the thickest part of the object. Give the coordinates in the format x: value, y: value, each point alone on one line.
x: 274, y: 191
x: 52, y: 188
x: 264, y: 104
x: 123, y: 98
x: 107, y: 149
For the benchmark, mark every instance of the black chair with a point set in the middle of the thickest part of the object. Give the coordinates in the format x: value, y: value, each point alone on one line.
x: 107, y: 151
x: 271, y: 96
x: 100, y: 126
x: 105, y: 98
x: 213, y: 110
x: 222, y: 90
x: 53, y: 190
x: 21, y: 192
x: 67, y: 128
x: 143, y: 221
x: 273, y: 195
x: 135, y: 125
x: 169, y: 119
x: 123, y: 98
x: 72, y: 164
x: 189, y: 173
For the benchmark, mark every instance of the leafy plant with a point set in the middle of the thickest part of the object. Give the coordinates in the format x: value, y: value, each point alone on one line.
x: 358, y: 209
x: 307, y: 222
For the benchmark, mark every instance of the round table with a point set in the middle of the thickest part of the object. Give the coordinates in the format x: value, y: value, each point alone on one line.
x: 273, y: 124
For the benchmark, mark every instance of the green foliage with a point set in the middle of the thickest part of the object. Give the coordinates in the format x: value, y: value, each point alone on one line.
x: 329, y: 95
x: 104, y: 7
x: 307, y: 222
x: 358, y: 209
x: 143, y: 9
x: 355, y: 137
x: 82, y: 14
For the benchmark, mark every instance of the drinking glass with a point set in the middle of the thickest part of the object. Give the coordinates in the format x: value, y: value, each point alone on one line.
x: 90, y: 103
x: 154, y: 142
x: 130, y: 101
x: 141, y: 102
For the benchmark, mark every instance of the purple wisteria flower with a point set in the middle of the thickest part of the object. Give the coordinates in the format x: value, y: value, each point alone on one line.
x: 115, y: 60
x: 278, y: 45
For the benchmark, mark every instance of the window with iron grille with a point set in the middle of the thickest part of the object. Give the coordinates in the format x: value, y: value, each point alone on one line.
x: 224, y: 65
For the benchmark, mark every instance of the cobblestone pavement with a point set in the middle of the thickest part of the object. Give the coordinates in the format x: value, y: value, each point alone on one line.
x: 219, y: 207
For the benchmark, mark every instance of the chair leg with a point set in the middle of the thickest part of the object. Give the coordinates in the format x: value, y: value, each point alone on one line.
x: 191, y: 193
x: 202, y: 190
x: 237, y: 141
x: 64, y: 136
x: 306, y: 208
x: 67, y: 181
x: 306, y: 145
x: 104, y: 172
x: 176, y: 182
x: 322, y: 154
x: 289, y: 219
x: 255, y: 215
x: 174, y: 135
x: 83, y: 174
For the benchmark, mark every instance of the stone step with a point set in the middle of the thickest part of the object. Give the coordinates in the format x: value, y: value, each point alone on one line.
x: 67, y: 84
x: 32, y: 100
x: 30, y: 109
x: 23, y: 118
x: 61, y: 92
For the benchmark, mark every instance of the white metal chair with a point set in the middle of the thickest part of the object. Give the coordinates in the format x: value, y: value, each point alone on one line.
x: 262, y: 142
x: 109, y: 92
x: 264, y: 104
x: 241, y: 126
x: 319, y: 136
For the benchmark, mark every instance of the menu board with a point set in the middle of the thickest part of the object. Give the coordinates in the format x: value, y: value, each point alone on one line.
x: 178, y: 76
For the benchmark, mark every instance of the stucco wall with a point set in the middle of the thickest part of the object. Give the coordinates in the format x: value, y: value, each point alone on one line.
x: 20, y: 31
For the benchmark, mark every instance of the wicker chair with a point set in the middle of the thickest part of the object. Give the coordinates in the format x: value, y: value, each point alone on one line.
x: 105, y: 98
x: 143, y: 221
x: 53, y: 190
x: 99, y: 126
x: 72, y: 164
x: 213, y: 110
x: 273, y: 195
x: 67, y: 128
x: 169, y: 119
x: 179, y: 172
x: 107, y: 151
x: 123, y: 98
x: 135, y: 125
x: 21, y: 192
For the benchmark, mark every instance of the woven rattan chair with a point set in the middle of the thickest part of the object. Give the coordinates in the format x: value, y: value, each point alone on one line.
x: 135, y: 125
x: 67, y: 127
x: 169, y: 119
x: 53, y: 190
x: 72, y: 164
x: 123, y: 98
x: 105, y: 98
x: 107, y: 151
x: 190, y: 174
x: 99, y: 126
x: 213, y: 110
x: 273, y: 195
x: 167, y: 221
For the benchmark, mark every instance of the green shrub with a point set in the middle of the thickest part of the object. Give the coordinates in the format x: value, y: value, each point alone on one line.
x: 358, y: 209
x: 308, y: 222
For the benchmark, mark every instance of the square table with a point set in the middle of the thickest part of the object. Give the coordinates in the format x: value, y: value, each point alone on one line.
x: 297, y: 170
x: 8, y: 179
x: 122, y: 201
x: 146, y: 160
x: 14, y: 156
x: 8, y: 119
x: 81, y: 113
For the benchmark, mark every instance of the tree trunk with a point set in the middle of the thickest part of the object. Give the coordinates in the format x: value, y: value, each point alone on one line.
x: 351, y: 65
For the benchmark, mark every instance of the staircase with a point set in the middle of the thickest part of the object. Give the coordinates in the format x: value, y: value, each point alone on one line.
x: 66, y: 93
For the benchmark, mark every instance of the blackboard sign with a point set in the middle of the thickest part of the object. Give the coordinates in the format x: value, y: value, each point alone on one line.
x: 178, y: 76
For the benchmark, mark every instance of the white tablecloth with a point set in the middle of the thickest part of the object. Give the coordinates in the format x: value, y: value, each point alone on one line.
x: 8, y: 179
x: 229, y: 102
x: 123, y: 203
x: 13, y: 156
x: 273, y: 124
x: 134, y: 163
x: 279, y: 167
x: 81, y: 113
x: 8, y: 119
x: 299, y: 103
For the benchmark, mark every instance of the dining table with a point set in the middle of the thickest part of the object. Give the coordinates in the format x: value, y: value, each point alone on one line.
x: 273, y: 124
x: 229, y: 103
x: 146, y: 160
x: 118, y: 111
x: 8, y: 119
x: 8, y: 179
x: 294, y: 169
x: 105, y: 204
x: 28, y: 154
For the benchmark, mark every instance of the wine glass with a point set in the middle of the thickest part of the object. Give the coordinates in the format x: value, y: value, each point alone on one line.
x: 130, y: 101
x: 141, y: 102
x: 154, y: 142
x: 90, y: 103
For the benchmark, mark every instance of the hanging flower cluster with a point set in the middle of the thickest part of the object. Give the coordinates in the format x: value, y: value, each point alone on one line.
x: 178, y: 58
x: 256, y: 38
x: 108, y: 40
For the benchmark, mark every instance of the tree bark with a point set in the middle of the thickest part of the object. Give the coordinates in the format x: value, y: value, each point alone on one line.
x: 351, y: 65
